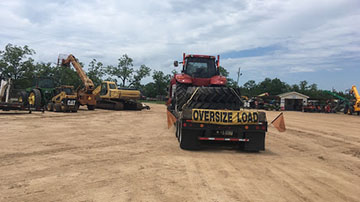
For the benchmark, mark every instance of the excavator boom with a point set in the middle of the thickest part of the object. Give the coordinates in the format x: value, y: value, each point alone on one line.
x: 355, y: 92
x: 88, y: 83
x: 85, y: 95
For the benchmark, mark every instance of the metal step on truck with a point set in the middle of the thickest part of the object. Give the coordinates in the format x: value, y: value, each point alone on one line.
x: 207, y: 112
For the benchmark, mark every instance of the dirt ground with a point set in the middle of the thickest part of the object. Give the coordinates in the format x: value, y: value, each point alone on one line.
x: 131, y: 156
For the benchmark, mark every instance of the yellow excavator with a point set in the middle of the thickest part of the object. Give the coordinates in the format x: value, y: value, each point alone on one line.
x: 355, y: 107
x: 109, y: 96
x: 85, y: 95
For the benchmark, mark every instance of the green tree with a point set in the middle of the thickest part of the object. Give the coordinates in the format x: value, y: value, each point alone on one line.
x: 141, y: 73
x: 230, y: 81
x: 96, y: 71
x: 123, y: 70
x: 273, y: 86
x: 295, y: 88
x: 303, y: 86
x: 161, y: 82
x: 16, y: 63
x: 149, y: 90
x: 126, y: 73
x: 250, y: 85
x: 223, y: 71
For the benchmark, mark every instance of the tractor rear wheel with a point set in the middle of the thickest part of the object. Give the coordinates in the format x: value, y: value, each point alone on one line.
x: 214, y: 98
x: 35, y: 98
x: 23, y: 98
x: 180, y: 96
x: 177, y: 130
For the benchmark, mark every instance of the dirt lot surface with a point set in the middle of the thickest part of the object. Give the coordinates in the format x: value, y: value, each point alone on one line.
x: 132, y: 156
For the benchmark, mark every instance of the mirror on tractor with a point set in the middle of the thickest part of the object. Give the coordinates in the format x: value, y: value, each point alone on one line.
x: 176, y: 63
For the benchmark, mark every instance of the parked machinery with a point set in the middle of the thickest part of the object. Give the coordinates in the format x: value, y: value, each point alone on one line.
x: 65, y: 100
x: 355, y: 105
x: 342, y: 101
x: 40, y: 93
x: 11, y: 99
x: 109, y: 96
x: 85, y: 95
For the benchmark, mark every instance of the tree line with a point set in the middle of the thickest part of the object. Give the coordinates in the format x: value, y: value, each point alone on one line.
x: 16, y: 62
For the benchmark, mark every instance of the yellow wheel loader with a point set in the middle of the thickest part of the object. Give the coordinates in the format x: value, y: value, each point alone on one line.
x: 109, y: 96
x: 65, y: 100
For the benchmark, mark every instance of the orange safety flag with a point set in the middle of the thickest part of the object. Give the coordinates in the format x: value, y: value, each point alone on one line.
x: 170, y: 119
x: 279, y: 123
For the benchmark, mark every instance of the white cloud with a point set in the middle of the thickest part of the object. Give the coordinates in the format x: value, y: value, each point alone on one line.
x: 314, y: 36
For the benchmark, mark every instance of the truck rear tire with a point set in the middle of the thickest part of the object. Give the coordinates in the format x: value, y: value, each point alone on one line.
x: 91, y: 107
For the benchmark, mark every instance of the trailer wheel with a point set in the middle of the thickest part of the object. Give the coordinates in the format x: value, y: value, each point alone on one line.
x: 188, y: 139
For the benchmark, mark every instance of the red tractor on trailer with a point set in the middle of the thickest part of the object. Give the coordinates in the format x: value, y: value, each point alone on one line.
x: 208, y: 112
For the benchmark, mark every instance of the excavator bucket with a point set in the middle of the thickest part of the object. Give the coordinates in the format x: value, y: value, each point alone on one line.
x: 61, y: 58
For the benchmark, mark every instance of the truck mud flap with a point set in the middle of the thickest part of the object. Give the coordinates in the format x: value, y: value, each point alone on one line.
x: 188, y: 139
x: 256, y: 141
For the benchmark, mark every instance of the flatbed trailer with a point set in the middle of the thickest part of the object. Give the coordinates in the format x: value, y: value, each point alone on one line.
x: 242, y: 129
x: 6, y: 106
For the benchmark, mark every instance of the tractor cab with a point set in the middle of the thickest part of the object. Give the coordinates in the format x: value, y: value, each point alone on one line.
x: 199, y: 70
x: 44, y: 82
x: 68, y: 90
x: 200, y: 67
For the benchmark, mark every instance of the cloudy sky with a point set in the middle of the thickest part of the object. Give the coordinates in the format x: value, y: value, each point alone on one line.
x: 293, y: 40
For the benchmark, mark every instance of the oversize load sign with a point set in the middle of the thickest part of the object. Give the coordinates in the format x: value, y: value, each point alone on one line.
x: 224, y: 117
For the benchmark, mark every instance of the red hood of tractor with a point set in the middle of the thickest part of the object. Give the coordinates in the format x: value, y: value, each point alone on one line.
x: 186, y: 79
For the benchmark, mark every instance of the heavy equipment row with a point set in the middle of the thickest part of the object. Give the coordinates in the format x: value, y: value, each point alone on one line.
x: 107, y: 95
